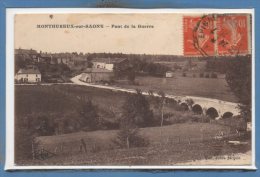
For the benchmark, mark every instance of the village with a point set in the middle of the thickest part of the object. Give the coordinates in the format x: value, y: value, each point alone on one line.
x: 35, y: 67
x: 85, y: 100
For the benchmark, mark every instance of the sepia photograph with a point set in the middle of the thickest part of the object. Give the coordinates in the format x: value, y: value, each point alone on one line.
x: 132, y: 89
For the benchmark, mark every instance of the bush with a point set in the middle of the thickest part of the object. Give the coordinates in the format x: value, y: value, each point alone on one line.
x: 182, y: 117
x: 207, y: 75
x: 89, y: 114
x: 130, y: 138
x: 214, y: 75
x: 44, y: 126
x: 201, y: 75
x: 184, y: 74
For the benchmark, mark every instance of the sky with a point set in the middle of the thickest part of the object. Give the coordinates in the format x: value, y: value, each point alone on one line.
x: 166, y: 36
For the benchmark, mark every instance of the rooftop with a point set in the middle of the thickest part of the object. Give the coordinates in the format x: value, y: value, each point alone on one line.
x: 29, y: 71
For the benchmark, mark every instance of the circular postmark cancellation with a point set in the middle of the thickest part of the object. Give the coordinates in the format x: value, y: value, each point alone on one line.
x: 216, y: 34
x: 203, y: 35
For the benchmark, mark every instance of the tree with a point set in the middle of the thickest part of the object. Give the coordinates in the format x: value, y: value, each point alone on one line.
x: 161, y: 108
x: 89, y: 114
x: 125, y: 72
x: 130, y: 137
x: 189, y: 102
x: 136, y: 113
x: 131, y: 75
x: 45, y: 126
x: 238, y: 77
x: 137, y: 109
x: 89, y: 64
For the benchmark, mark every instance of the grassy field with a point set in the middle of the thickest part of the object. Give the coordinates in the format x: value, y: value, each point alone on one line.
x: 57, y: 99
x: 165, y: 150
x: 155, y: 155
x: 179, y: 85
x: 197, y: 132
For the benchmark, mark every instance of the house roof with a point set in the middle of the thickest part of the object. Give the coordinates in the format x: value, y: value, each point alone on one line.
x: 97, y: 70
x: 83, y: 76
x: 29, y: 71
x: 108, y: 60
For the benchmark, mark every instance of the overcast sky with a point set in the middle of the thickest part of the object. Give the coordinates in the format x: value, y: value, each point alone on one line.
x: 165, y: 37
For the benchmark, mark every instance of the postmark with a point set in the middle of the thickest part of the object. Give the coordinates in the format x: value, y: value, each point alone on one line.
x: 198, y: 35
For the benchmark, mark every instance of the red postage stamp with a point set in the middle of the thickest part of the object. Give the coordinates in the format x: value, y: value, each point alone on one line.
x: 216, y: 35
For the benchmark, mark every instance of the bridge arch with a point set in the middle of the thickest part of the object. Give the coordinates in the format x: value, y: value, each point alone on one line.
x: 171, y: 101
x: 212, y: 113
x: 184, y: 106
x: 197, y: 109
x: 227, y: 115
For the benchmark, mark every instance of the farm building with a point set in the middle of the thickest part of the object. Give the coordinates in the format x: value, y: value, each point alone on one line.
x: 28, y: 75
x: 109, y: 63
x: 92, y: 75
x: 169, y: 74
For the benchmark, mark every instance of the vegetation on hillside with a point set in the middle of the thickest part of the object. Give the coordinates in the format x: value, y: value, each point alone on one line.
x: 136, y: 113
x: 238, y: 72
x: 89, y: 114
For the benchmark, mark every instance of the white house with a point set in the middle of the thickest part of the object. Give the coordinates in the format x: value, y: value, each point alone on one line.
x: 169, y: 74
x: 108, y: 63
x: 28, y: 75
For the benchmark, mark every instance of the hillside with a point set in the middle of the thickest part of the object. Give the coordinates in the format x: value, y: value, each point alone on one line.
x: 177, y: 146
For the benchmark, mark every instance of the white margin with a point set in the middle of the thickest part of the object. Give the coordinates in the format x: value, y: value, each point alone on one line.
x: 10, y: 13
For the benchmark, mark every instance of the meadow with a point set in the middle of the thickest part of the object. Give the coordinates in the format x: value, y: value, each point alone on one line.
x: 62, y: 99
x: 165, y: 150
x: 185, y: 86
x: 104, y: 140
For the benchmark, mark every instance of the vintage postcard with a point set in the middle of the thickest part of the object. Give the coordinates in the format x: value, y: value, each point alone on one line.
x: 130, y: 89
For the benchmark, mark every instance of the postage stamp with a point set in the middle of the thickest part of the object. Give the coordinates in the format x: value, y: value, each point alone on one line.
x: 216, y: 34
x: 130, y: 89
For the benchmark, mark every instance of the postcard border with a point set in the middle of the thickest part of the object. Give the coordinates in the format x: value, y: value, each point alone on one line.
x: 10, y: 165
x: 133, y: 4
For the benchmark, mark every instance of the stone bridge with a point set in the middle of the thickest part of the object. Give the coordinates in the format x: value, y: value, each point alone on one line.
x: 213, y: 108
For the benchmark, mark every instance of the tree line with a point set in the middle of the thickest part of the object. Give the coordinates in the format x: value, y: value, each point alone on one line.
x: 138, y: 67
